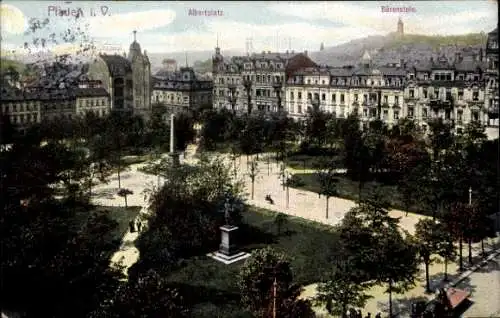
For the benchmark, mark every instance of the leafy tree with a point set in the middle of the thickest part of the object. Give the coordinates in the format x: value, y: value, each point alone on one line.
x: 147, y: 295
x: 258, y: 291
x: 341, y: 290
x: 456, y: 226
x: 123, y: 192
x: 46, y: 244
x: 184, y: 130
x: 427, y: 242
x: 280, y: 220
x: 445, y: 247
x: 328, y: 183
x: 397, y: 263
x: 199, y: 194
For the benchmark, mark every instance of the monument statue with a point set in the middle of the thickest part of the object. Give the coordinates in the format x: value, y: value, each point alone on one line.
x: 227, y: 212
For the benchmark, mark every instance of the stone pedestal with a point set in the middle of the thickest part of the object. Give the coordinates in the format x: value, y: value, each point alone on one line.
x: 228, y: 251
x: 175, y: 158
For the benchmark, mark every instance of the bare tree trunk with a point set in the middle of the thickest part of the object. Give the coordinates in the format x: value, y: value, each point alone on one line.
x: 253, y: 182
x: 327, y: 197
x: 460, y: 255
x: 126, y: 203
x: 119, y: 178
x: 427, y: 284
x: 469, y: 242
x: 445, y: 269
x: 482, y: 248
x: 390, y: 299
x: 287, y: 196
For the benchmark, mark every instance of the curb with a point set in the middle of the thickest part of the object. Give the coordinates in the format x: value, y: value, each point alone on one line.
x: 464, y: 275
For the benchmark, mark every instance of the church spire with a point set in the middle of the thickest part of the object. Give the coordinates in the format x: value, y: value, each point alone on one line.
x: 135, y: 34
x: 186, y: 59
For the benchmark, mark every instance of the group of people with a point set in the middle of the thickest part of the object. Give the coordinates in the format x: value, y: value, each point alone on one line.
x: 135, y: 225
x: 358, y: 314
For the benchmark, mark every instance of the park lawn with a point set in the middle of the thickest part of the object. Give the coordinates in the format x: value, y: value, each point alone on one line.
x: 349, y: 189
x: 212, y: 286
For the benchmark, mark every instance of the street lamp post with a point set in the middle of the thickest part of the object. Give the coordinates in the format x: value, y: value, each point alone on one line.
x: 233, y: 96
x: 470, y: 196
x: 277, y: 88
x: 315, y: 104
x: 247, y: 83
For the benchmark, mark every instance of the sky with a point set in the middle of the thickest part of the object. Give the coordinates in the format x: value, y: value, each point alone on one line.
x: 272, y: 25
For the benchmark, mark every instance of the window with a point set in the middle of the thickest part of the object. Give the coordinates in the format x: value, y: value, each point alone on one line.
x: 447, y: 115
x: 316, y: 96
x: 460, y: 115
x: 365, y: 112
x: 356, y: 97
x: 342, y: 98
x: 475, y: 116
x: 425, y: 92
x: 291, y: 95
x: 258, y: 78
x: 309, y: 96
x: 410, y: 112
x: 323, y: 82
x: 323, y: 96
x: 299, y: 95
x: 385, y: 114
x: 396, y: 114
x: 299, y: 109
x: 412, y: 93
x: 308, y: 81
x: 424, y: 113
x: 396, y: 100
x: 460, y: 94
x: 475, y: 96
x: 386, y: 99
x: 448, y: 96
x: 269, y: 78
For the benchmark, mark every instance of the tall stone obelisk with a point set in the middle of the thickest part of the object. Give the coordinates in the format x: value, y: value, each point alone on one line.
x: 173, y: 154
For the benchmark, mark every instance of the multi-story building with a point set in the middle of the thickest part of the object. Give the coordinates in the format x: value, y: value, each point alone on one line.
x: 491, y: 86
x: 371, y: 92
x: 126, y: 79
x: 22, y: 108
x: 180, y: 90
x: 458, y: 90
x: 262, y: 76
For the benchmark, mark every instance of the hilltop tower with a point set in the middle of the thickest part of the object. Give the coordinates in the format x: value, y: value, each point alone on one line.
x: 400, y: 31
x: 322, y: 47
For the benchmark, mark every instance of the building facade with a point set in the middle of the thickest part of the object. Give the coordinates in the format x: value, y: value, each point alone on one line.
x: 369, y: 91
x: 127, y: 80
x: 180, y: 90
x: 458, y: 90
x: 262, y: 76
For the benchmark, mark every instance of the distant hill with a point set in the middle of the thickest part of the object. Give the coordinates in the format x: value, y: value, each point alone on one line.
x: 192, y: 57
x: 6, y: 63
x: 390, y: 48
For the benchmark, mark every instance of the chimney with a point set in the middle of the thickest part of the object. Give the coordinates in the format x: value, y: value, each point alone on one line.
x: 305, y: 52
x: 293, y: 51
x: 287, y: 52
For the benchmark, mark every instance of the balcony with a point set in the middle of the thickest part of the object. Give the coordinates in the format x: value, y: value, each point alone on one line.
x: 441, y: 104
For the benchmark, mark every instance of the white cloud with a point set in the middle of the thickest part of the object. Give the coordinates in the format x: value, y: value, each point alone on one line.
x: 120, y: 24
x: 12, y: 20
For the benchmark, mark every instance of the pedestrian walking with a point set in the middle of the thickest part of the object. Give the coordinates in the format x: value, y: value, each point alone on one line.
x: 378, y: 315
x: 139, y: 225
